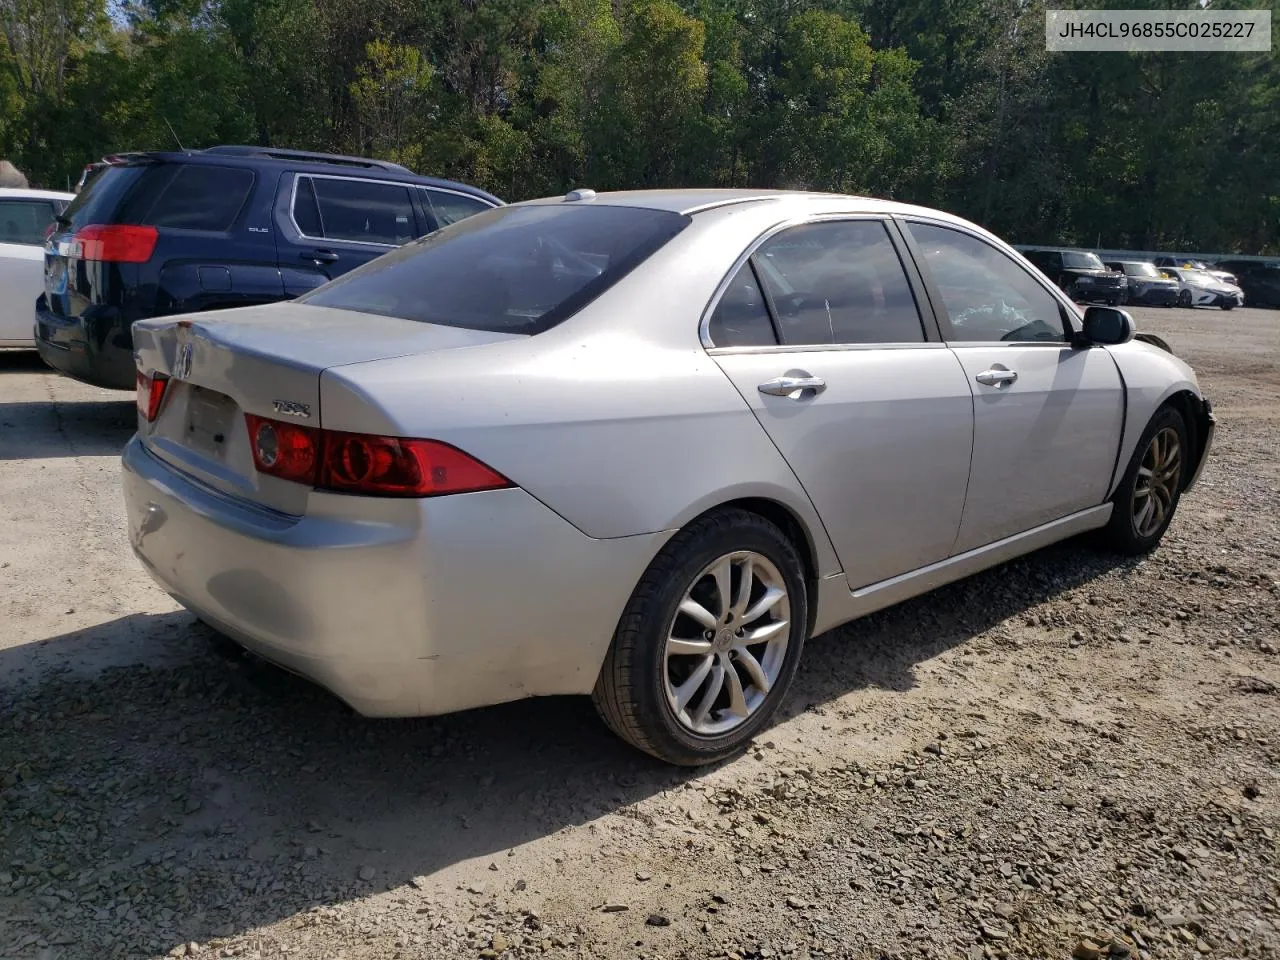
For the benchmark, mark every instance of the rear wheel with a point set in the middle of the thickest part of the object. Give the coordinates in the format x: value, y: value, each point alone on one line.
x: 1144, y: 503
x: 709, y: 642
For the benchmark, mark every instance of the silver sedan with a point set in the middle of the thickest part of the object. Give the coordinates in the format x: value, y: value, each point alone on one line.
x: 640, y: 446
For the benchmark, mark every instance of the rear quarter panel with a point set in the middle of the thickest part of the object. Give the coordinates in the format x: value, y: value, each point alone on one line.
x: 617, y: 419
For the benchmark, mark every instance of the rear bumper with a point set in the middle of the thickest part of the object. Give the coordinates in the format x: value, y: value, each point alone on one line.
x: 96, y: 347
x: 400, y: 607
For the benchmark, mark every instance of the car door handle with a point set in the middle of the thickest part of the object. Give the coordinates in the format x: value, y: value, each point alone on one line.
x: 792, y: 387
x: 997, y: 378
x: 320, y: 256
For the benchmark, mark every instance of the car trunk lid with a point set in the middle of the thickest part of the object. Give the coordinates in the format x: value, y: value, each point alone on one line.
x: 265, y: 361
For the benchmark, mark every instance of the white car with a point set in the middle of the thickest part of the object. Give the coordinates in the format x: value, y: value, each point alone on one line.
x: 25, y: 215
x: 1198, y: 288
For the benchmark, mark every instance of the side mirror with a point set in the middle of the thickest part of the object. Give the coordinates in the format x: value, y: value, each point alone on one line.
x: 1108, y: 326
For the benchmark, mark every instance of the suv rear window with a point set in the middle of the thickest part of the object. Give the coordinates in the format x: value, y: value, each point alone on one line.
x: 513, y: 269
x: 189, y: 196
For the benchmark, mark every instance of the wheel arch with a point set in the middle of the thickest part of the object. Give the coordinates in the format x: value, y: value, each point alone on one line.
x: 795, y: 530
x: 1197, y: 415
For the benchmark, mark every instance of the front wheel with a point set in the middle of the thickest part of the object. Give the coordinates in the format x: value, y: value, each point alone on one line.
x: 1144, y: 503
x: 1184, y: 298
x: 1227, y: 306
x: 708, y: 643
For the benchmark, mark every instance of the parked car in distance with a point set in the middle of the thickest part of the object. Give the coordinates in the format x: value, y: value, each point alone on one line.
x: 1081, y: 275
x: 152, y: 234
x: 1259, y: 281
x: 1185, y: 263
x: 1147, y: 285
x: 641, y: 446
x: 1199, y: 289
x: 25, y: 217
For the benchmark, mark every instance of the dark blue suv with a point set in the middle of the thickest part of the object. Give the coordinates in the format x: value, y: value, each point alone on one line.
x: 162, y: 233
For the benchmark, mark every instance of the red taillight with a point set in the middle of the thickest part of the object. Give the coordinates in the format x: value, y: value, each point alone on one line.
x: 364, y: 464
x: 284, y: 450
x: 398, y: 467
x: 116, y: 243
x: 151, y: 394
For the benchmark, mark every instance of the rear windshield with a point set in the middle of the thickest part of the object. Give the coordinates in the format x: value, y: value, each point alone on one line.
x: 513, y: 269
x: 184, y: 195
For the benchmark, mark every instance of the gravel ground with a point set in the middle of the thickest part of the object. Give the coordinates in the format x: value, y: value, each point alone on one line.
x: 1069, y: 756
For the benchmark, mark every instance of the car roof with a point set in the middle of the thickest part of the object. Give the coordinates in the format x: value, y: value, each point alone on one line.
x: 695, y: 200
x: 303, y: 162
x: 24, y: 193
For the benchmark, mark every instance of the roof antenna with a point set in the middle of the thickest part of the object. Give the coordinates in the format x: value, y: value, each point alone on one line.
x: 175, y: 136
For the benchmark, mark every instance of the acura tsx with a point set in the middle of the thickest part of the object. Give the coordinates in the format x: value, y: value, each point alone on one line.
x: 640, y: 446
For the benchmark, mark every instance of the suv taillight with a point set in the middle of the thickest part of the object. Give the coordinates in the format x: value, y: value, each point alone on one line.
x: 366, y: 464
x: 116, y: 243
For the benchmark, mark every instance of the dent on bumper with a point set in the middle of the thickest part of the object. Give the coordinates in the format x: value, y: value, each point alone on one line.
x: 400, y: 607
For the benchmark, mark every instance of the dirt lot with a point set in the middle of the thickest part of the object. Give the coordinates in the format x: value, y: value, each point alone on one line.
x: 1067, y: 755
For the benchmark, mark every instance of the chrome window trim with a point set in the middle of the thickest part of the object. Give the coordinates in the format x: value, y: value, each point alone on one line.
x: 704, y: 325
x: 823, y: 347
x: 293, y: 199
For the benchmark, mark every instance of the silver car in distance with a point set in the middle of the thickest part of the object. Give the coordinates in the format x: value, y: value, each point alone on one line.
x: 639, y: 446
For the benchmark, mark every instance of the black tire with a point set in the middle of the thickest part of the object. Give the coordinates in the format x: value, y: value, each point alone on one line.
x: 1227, y: 306
x: 630, y: 693
x: 1184, y: 298
x: 1122, y: 533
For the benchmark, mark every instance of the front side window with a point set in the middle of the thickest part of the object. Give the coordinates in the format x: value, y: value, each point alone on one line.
x: 518, y: 269
x: 838, y: 281
x: 449, y: 207
x: 360, y: 211
x: 988, y: 297
x: 25, y: 221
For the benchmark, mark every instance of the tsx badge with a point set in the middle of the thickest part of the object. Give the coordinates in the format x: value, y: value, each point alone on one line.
x: 291, y: 408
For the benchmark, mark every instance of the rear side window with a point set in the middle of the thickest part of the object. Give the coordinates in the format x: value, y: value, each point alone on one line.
x: 514, y: 269
x: 836, y: 282
x: 25, y: 221
x: 359, y: 211
x: 189, y: 196
x: 741, y: 318
x: 451, y: 207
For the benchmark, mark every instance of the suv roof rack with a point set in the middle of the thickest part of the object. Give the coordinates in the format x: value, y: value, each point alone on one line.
x: 239, y: 150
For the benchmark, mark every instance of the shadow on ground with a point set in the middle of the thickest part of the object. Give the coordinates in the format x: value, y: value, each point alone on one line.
x: 41, y: 429
x: 230, y: 794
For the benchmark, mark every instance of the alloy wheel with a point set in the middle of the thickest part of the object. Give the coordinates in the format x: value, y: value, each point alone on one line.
x: 1157, y: 482
x: 727, y: 643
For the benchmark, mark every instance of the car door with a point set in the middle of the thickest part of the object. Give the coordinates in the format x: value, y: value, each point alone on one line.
x: 1047, y: 414
x: 333, y: 224
x: 821, y: 333
x: 23, y: 222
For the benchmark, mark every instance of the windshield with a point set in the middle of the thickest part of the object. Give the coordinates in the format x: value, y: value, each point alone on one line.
x: 1198, y: 276
x: 1140, y: 270
x: 514, y: 269
x: 1082, y: 261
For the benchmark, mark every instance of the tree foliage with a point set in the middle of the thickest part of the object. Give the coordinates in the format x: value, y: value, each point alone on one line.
x: 952, y: 104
